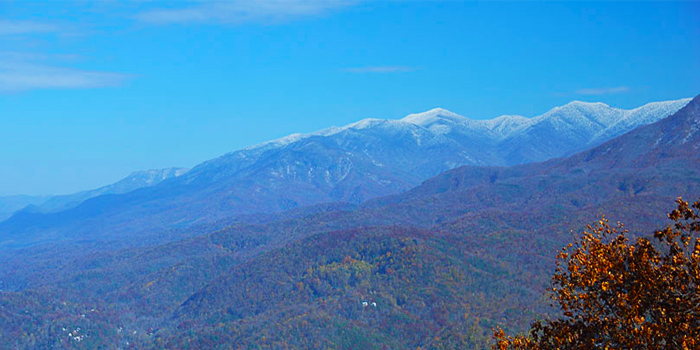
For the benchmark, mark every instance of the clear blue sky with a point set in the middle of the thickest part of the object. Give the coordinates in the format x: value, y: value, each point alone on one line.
x: 90, y: 91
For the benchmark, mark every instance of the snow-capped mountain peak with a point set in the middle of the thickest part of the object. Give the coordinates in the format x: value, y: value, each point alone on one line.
x: 585, y: 104
x: 506, y: 125
x: 363, y: 124
x: 646, y: 114
x: 594, y: 111
x: 434, y: 116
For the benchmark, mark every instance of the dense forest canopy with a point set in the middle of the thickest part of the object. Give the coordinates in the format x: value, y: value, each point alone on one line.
x: 622, y: 295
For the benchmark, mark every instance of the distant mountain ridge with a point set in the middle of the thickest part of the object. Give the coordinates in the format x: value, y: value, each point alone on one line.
x: 354, y: 163
x: 575, y: 126
x: 596, y: 119
x: 10, y: 204
x: 51, y: 204
x: 135, y: 180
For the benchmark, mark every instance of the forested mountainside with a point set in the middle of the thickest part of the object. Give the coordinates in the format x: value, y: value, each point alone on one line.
x: 354, y: 163
x: 434, y: 267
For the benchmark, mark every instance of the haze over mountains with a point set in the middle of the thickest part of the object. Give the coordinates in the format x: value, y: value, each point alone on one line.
x: 10, y: 204
x: 363, y: 160
x: 444, y: 262
x: 49, y: 204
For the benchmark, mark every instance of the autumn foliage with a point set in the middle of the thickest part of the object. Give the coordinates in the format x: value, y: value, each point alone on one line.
x: 615, y: 294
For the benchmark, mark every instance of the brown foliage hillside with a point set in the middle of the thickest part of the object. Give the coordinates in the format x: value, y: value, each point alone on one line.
x: 621, y: 295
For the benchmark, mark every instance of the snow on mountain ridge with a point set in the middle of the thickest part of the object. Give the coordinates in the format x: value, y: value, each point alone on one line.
x: 151, y: 176
x: 435, y: 115
x: 292, y: 138
x: 506, y: 125
x: 593, y: 112
x: 159, y: 172
x: 595, y: 119
x: 646, y: 114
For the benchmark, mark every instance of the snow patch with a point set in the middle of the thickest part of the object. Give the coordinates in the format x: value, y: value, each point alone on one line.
x: 433, y: 116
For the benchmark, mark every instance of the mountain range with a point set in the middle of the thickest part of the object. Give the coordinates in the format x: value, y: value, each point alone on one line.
x: 434, y: 267
x: 10, y: 204
x: 354, y: 163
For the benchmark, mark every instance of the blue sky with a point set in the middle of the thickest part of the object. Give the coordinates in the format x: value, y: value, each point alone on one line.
x: 90, y: 91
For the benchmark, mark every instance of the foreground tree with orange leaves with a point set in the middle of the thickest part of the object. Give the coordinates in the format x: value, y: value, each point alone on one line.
x: 618, y: 295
